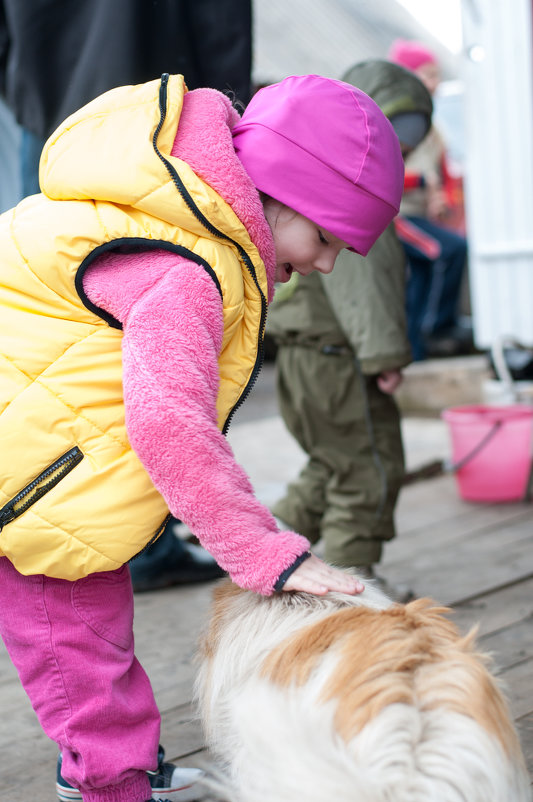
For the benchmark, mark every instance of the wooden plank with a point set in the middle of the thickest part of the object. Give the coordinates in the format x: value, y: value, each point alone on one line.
x: 472, y: 567
x: 524, y: 726
x: 437, y: 510
x: 510, y: 645
x: 519, y: 683
x: 26, y: 752
x: 200, y: 759
x: 29, y: 770
x: 496, y: 609
x: 181, y: 732
x: 436, y: 501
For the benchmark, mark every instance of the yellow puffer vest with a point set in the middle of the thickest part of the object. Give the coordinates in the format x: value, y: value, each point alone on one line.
x: 74, y: 498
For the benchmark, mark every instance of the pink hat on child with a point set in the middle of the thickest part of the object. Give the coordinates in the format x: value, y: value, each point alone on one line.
x: 326, y: 150
x: 410, y: 54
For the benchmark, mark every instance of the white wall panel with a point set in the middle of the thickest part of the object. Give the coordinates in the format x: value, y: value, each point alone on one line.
x: 499, y: 170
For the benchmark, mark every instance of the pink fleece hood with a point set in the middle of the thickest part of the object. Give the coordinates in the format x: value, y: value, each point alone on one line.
x: 326, y: 150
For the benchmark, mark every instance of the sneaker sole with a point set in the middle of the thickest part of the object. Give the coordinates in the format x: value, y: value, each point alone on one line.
x: 65, y: 794
x: 186, y: 793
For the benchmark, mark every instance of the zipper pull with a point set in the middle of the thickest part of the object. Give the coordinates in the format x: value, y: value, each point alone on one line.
x: 7, y: 514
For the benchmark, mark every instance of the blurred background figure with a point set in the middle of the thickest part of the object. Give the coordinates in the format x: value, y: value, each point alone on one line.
x: 10, y: 192
x: 341, y: 343
x: 57, y: 55
x: 436, y: 254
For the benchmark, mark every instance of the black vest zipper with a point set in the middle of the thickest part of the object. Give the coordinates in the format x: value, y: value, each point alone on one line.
x: 37, y: 488
x: 182, y: 189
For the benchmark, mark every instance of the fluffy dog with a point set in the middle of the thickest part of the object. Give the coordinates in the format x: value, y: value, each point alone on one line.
x: 352, y: 699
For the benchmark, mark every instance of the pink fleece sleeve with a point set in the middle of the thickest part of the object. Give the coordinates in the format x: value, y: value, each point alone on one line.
x: 172, y: 320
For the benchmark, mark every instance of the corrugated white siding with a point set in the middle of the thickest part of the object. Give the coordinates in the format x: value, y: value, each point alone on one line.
x: 499, y: 171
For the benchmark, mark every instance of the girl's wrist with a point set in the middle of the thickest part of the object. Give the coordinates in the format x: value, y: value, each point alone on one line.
x: 290, y: 570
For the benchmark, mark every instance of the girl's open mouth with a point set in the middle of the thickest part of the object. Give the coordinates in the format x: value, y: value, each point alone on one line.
x: 288, y: 269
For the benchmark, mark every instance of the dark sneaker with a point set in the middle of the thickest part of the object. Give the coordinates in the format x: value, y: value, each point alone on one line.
x: 172, y: 561
x: 174, y: 782
x: 170, y: 783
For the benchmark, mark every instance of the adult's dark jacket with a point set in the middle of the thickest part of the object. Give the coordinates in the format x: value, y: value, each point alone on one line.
x: 56, y: 55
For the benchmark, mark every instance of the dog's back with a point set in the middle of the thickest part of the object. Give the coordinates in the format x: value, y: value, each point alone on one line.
x: 350, y: 699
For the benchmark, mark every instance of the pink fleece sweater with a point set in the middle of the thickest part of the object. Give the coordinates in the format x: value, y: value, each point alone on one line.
x: 171, y: 314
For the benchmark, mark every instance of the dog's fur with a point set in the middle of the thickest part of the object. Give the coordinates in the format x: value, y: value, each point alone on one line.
x: 352, y: 699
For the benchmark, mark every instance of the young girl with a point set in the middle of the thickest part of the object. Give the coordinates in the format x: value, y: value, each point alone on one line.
x: 133, y: 305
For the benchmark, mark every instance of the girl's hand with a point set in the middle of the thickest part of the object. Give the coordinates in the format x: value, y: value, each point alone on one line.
x: 315, y: 576
x: 389, y: 380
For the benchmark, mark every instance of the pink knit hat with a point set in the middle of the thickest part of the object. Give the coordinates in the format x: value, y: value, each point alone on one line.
x: 326, y: 150
x: 410, y: 54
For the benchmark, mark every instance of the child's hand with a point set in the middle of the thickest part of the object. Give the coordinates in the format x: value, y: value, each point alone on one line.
x: 437, y: 205
x: 315, y: 576
x: 389, y: 380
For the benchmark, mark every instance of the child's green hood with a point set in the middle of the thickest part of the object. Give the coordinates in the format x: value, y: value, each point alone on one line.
x: 395, y: 89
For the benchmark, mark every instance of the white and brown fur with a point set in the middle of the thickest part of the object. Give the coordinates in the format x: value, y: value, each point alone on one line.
x: 352, y: 699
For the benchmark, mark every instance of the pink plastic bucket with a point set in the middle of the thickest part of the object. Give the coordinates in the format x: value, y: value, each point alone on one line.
x: 491, y: 450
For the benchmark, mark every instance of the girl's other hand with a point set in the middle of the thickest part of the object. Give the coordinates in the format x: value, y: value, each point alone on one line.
x: 315, y: 576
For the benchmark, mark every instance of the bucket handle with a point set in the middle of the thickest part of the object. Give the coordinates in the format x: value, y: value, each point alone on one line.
x: 438, y: 467
x: 452, y: 467
x: 498, y: 358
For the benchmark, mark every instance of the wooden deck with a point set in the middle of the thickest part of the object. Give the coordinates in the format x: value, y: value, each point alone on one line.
x: 476, y: 558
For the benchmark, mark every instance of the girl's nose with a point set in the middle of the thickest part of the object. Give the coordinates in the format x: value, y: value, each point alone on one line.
x: 326, y: 263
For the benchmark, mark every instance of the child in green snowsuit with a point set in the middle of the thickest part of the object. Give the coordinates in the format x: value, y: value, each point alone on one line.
x: 341, y: 345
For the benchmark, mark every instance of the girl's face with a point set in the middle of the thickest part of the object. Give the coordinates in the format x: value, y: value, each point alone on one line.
x: 300, y: 244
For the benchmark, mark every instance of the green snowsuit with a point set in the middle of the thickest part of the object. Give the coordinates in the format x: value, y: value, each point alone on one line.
x: 335, y: 334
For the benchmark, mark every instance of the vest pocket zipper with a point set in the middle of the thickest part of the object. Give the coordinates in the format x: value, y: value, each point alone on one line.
x: 37, y: 488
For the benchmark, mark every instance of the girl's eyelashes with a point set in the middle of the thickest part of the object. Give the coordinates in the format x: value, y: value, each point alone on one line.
x: 322, y: 238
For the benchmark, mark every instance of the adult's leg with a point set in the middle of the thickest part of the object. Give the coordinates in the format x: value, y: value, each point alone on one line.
x: 72, y: 645
x: 418, y: 285
x: 30, y: 154
x: 447, y: 275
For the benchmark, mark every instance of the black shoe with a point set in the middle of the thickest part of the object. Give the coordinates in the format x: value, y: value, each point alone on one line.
x: 172, y: 561
x: 194, y: 564
x: 445, y: 347
x: 456, y: 340
x: 176, y: 783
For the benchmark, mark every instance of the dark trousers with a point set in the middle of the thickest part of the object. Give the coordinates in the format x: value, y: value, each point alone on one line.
x: 347, y: 492
x: 433, y: 286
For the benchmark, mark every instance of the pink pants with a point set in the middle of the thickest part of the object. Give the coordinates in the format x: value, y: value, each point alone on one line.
x: 72, y: 645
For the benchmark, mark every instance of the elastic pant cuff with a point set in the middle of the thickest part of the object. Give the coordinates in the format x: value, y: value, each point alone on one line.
x: 135, y: 788
x: 359, y: 553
